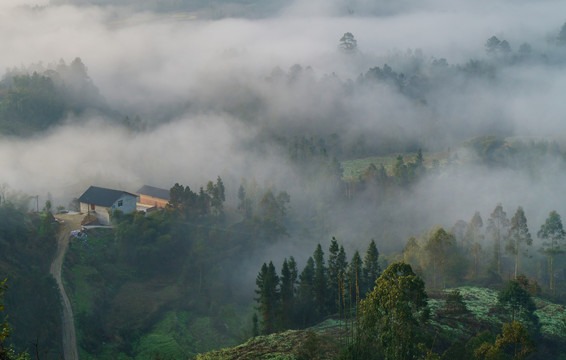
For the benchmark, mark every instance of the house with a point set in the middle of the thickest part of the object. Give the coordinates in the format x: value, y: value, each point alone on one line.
x: 152, y: 197
x: 101, y: 202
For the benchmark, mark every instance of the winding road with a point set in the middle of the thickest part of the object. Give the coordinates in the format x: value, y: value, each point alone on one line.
x: 68, y: 222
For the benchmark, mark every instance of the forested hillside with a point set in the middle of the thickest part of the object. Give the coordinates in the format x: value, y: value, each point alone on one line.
x: 32, y: 307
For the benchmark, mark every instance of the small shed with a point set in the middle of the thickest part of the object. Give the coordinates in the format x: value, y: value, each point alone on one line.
x: 151, y: 196
x: 101, y: 202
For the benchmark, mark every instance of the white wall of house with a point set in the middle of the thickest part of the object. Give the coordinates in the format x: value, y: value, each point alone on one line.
x: 84, y: 208
x: 126, y: 203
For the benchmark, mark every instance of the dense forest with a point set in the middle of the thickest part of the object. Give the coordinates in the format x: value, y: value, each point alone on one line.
x: 30, y: 296
x: 313, y: 176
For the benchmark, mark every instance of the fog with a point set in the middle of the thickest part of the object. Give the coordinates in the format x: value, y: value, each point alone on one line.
x: 207, y: 88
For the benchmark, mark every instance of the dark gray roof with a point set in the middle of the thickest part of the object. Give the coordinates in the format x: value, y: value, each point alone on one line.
x: 153, y: 191
x: 102, y: 196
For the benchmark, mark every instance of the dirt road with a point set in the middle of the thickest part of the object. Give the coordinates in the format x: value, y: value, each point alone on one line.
x: 68, y: 223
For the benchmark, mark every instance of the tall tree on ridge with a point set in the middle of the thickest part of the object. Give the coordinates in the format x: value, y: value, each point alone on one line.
x: 371, y: 268
x: 355, y: 278
x: 473, y: 237
x: 437, y: 248
x: 333, y: 276
x: 518, y: 234
x: 306, y: 295
x: 287, y: 295
x: 267, y: 283
x: 320, y: 282
x: 498, y: 223
x: 552, y: 231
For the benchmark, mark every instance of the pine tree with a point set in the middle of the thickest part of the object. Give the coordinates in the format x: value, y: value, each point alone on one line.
x: 306, y: 296
x: 333, y: 276
x: 320, y: 282
x: 355, y: 277
x: 371, y: 268
x: 267, y: 282
x: 288, y: 280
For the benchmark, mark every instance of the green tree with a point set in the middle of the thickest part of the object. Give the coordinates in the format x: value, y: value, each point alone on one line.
x: 519, y: 303
x: 476, y: 342
x: 438, y: 248
x: 412, y: 253
x: 355, y: 278
x: 518, y: 234
x: 333, y: 276
x: 255, y: 327
x: 473, y: 237
x: 455, y: 303
x: 306, y: 295
x: 371, y: 269
x: 268, y: 293
x: 394, y: 313
x: 320, y: 281
x: 216, y: 192
x: 515, y: 343
x: 273, y: 210
x: 31, y: 103
x: 336, y: 269
x: 553, y: 232
x: 288, y: 281
x: 244, y: 204
x: 7, y: 352
x: 498, y: 225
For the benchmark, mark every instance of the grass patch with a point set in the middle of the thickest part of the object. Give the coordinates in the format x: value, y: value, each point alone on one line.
x: 84, y: 279
x: 354, y: 169
x: 552, y: 318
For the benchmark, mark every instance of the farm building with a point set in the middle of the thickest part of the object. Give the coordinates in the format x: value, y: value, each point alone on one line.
x: 101, y: 202
x: 152, y: 197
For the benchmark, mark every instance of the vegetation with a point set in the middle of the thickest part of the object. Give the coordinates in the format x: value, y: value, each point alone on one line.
x: 34, y: 99
x: 171, y: 283
x: 31, y: 306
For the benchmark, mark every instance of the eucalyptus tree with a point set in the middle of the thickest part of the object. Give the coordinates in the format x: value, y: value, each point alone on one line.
x: 437, y: 248
x: 553, y: 232
x: 498, y: 225
x: 473, y: 238
x: 518, y: 235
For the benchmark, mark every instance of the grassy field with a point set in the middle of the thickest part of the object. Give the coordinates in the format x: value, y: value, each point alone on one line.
x: 354, y: 169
